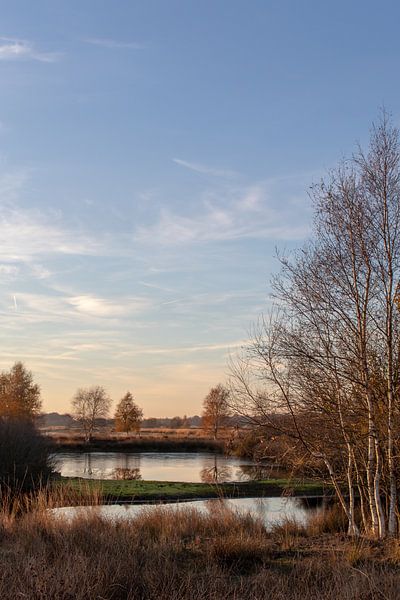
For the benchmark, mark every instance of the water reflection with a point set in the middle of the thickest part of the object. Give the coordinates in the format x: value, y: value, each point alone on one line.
x: 219, y: 473
x: 256, y: 472
x: 216, y: 474
x: 157, y: 466
x: 87, y: 468
x: 270, y: 511
x: 314, y: 502
x: 124, y: 473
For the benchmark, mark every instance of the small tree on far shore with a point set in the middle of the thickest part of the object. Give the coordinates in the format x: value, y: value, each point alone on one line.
x: 90, y: 404
x: 19, y: 395
x: 216, y: 410
x: 128, y: 415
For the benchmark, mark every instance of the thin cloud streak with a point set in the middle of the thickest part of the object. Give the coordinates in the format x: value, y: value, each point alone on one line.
x: 184, y: 349
x: 271, y: 209
x: 114, y: 44
x: 204, y: 169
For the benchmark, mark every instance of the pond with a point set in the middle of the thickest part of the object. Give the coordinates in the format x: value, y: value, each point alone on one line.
x: 272, y: 511
x: 189, y: 467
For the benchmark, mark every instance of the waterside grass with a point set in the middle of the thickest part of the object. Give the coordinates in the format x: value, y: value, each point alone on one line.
x: 114, y: 491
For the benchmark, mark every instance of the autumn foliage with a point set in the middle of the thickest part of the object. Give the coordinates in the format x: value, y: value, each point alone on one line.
x: 216, y: 409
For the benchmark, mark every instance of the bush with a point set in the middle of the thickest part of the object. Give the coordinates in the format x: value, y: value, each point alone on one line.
x: 25, y: 457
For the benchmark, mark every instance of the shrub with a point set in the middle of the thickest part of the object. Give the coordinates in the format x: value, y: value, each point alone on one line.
x: 25, y: 457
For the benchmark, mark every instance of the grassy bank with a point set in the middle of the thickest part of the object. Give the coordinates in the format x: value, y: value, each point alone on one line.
x: 156, y: 491
x: 136, y: 444
x: 187, y: 555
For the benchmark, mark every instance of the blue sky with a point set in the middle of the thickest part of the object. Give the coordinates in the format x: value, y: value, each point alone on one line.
x: 153, y: 156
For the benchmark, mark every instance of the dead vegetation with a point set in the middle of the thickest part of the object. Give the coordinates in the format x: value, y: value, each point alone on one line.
x: 187, y: 555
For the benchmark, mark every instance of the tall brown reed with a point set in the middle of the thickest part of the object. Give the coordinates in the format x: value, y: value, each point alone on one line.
x: 166, y: 554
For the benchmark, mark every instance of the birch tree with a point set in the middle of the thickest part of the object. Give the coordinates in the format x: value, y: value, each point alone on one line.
x: 330, y: 355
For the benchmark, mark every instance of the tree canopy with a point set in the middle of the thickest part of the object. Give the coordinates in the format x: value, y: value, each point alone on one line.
x: 19, y: 395
x: 216, y: 409
x: 90, y: 404
x: 128, y: 415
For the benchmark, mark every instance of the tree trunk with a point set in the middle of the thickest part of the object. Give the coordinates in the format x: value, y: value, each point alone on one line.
x: 377, y: 493
x: 352, y: 528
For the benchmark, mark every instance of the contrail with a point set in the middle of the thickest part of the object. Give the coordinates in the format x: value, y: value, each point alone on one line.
x: 15, y: 303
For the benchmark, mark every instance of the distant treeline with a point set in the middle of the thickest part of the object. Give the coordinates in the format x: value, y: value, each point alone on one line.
x: 54, y: 419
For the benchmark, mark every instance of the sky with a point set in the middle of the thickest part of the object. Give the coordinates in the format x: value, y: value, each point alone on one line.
x: 154, y: 155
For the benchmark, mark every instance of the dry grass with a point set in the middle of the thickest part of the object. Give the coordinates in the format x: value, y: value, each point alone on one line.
x: 161, y: 440
x: 330, y: 520
x: 56, y: 432
x: 166, y: 555
x: 288, y: 533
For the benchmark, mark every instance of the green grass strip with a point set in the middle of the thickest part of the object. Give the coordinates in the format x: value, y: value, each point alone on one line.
x: 139, y: 491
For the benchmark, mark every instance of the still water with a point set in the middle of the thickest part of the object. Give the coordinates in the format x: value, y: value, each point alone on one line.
x: 156, y: 466
x: 270, y: 511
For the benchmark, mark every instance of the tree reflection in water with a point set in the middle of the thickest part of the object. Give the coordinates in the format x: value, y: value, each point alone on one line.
x: 257, y: 472
x: 215, y: 469
x: 126, y: 473
x: 221, y: 473
x: 216, y: 474
x: 87, y: 466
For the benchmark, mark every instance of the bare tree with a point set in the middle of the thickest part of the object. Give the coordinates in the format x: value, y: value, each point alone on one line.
x: 216, y: 409
x: 128, y: 415
x: 329, y: 357
x: 90, y: 404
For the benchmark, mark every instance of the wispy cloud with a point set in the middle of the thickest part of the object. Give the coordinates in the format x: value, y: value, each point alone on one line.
x: 16, y: 49
x: 103, y: 307
x: 184, y: 349
x: 231, y: 214
x: 32, y: 307
x: 8, y: 271
x: 114, y: 44
x: 204, y: 169
x: 25, y: 235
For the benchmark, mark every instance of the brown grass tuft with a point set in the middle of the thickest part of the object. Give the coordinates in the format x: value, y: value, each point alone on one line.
x: 330, y: 520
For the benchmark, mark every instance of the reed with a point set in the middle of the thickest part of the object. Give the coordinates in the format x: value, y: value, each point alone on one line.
x: 169, y: 554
